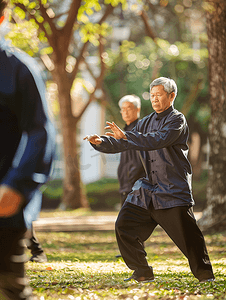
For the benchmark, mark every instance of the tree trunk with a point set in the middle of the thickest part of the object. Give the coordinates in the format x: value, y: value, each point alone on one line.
x: 73, y: 196
x: 214, y: 216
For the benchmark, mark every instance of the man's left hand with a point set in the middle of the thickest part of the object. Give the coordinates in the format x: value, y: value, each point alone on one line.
x: 11, y: 201
x: 93, y: 139
x: 117, y: 132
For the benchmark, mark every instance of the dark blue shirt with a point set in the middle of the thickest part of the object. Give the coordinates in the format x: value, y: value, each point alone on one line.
x: 26, y: 132
x: 162, y: 141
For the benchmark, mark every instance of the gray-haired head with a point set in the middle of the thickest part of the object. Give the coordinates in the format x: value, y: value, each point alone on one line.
x: 130, y: 98
x: 129, y: 108
x: 168, y: 84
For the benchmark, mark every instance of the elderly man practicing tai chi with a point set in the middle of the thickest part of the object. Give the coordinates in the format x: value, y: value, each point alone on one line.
x: 164, y: 196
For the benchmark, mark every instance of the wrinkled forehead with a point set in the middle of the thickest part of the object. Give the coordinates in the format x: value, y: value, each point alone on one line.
x: 157, y: 88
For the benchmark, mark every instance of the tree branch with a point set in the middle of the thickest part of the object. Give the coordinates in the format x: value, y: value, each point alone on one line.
x: 148, y: 28
x: 89, y: 69
x: 99, y: 80
x: 48, y: 19
x: 195, y: 90
x: 62, y: 14
x: 72, y: 17
x: 108, y: 11
x: 78, y: 61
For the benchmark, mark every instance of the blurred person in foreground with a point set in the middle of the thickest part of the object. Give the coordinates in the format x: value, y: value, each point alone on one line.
x: 27, y: 147
x: 130, y: 167
x: 164, y: 196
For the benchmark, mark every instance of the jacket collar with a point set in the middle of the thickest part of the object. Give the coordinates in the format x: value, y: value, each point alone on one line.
x: 164, y: 113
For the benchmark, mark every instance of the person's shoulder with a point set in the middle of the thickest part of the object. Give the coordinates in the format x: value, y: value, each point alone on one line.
x: 176, y: 113
x: 20, y: 60
x: 177, y: 116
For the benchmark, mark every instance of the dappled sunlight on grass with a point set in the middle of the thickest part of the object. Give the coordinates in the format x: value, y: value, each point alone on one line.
x: 74, y: 213
x: 83, y: 266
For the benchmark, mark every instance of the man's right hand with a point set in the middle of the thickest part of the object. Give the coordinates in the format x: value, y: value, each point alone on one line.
x: 11, y: 201
x: 93, y: 139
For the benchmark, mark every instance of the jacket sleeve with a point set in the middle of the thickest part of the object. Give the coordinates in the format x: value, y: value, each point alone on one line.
x: 169, y: 134
x: 32, y: 161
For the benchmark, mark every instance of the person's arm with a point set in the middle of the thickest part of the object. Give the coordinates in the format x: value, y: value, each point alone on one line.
x: 136, y: 140
x: 168, y: 135
x: 103, y: 143
x: 32, y: 162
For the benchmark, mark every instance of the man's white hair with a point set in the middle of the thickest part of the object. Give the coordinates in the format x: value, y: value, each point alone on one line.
x: 135, y: 100
x: 168, y: 84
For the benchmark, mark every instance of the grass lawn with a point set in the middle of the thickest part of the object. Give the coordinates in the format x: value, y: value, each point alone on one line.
x: 82, y: 265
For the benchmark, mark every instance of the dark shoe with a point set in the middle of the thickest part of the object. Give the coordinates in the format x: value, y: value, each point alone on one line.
x: 118, y: 255
x: 142, y: 275
x: 207, y: 280
x: 39, y: 257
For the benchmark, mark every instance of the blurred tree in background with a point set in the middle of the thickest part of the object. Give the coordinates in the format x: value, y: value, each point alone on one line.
x: 214, y: 216
x: 68, y: 30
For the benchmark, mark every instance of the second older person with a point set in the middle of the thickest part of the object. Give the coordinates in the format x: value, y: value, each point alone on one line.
x: 130, y: 167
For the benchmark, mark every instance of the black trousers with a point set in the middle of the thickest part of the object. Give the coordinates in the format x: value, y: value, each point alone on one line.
x: 33, y: 242
x: 13, y: 284
x: 134, y: 225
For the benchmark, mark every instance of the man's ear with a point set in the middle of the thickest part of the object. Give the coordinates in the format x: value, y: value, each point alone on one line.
x: 172, y: 96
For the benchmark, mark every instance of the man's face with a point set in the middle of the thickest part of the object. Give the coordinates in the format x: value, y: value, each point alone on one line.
x: 129, y: 112
x: 160, y: 99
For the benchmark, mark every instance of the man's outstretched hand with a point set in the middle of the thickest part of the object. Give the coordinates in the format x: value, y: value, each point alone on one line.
x: 117, y: 132
x: 93, y: 139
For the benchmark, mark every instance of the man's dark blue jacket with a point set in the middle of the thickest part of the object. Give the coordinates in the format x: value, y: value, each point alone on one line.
x: 162, y: 141
x: 26, y: 133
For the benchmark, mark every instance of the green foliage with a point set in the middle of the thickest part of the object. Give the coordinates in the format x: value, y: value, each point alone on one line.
x: 102, y: 194
x: 53, y: 189
x: 92, y: 32
x: 24, y: 36
x: 132, y: 69
x: 47, y: 50
x: 88, y: 7
x: 103, y: 185
x: 82, y: 265
x: 19, y: 12
x: 89, y: 30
